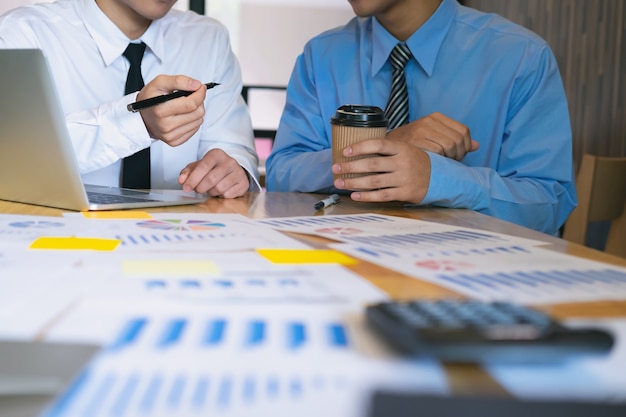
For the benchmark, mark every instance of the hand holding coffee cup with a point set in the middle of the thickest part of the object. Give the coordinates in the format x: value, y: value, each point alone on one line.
x: 355, y: 123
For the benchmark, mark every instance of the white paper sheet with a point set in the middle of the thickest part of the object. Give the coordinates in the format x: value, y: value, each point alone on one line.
x: 392, y: 233
x: 181, y: 231
x: 279, y: 361
x: 522, y: 274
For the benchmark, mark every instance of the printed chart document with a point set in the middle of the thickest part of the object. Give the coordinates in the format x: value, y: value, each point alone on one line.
x: 164, y: 231
x: 522, y: 274
x: 392, y: 233
x: 305, y: 360
x: 479, y: 264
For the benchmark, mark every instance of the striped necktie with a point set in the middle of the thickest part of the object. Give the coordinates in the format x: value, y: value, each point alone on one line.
x: 397, y: 111
x: 136, y: 167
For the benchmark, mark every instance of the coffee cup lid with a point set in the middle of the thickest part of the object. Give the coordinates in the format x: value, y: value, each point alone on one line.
x: 359, y: 115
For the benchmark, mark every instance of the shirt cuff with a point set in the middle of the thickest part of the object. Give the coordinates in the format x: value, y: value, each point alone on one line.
x: 452, y: 184
x: 131, y: 127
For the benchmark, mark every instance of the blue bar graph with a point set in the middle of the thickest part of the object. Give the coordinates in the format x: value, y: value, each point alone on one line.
x: 256, y: 333
x: 176, y: 392
x: 130, y: 333
x: 538, y: 282
x: 224, y: 392
x: 172, y: 334
x: 337, y: 335
x: 114, y: 394
x: 155, y: 284
x: 200, y: 393
x: 146, y: 405
x: 288, y: 282
x: 427, y: 240
x: 100, y: 396
x: 249, y: 389
x: 223, y: 283
x: 296, y: 335
x: 272, y: 387
x: 295, y: 387
x: 324, y: 221
x: 124, y: 396
x: 215, y: 332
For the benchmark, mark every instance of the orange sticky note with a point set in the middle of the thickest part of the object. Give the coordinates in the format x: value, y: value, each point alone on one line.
x: 75, y: 243
x: 116, y: 214
x: 306, y: 256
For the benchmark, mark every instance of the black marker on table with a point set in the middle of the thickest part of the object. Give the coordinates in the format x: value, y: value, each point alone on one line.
x: 329, y: 201
x: 153, y: 101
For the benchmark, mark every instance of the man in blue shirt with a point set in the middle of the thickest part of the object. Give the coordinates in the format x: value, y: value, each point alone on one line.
x: 488, y: 123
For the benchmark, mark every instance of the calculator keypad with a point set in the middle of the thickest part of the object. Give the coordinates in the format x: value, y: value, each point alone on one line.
x: 473, y: 330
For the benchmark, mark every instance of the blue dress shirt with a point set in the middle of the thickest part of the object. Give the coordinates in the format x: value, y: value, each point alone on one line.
x: 497, y: 78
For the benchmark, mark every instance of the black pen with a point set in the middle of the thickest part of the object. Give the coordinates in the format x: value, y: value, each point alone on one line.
x: 149, y: 102
x: 329, y: 201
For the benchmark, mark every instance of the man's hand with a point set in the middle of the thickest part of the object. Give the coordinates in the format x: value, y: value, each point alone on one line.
x: 438, y: 134
x: 174, y: 121
x: 216, y: 174
x: 400, y: 172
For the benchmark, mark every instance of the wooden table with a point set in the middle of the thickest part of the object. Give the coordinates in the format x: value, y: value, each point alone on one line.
x: 467, y: 379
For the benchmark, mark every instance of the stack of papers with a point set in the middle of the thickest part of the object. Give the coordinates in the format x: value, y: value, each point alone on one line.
x: 219, y: 314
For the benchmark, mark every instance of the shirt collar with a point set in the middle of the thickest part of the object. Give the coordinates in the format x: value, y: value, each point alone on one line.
x: 111, y: 41
x: 424, y: 43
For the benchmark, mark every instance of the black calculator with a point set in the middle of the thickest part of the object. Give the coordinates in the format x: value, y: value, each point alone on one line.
x: 455, y: 330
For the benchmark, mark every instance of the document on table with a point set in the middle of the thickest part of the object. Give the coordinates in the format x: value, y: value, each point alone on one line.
x: 35, y: 288
x: 392, y: 233
x: 218, y: 278
x: 163, y: 231
x: 307, y: 360
x: 190, y: 263
x: 522, y: 274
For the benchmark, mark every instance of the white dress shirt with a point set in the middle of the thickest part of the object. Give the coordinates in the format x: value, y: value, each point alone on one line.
x: 84, y: 50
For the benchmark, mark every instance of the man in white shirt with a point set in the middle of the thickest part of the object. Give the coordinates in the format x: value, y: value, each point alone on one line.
x: 203, y: 145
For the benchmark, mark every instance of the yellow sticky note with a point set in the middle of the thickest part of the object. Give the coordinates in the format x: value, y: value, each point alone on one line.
x: 169, y: 268
x: 75, y: 243
x: 116, y: 214
x: 306, y: 256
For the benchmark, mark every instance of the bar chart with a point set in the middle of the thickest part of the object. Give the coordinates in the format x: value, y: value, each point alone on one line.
x: 312, y: 363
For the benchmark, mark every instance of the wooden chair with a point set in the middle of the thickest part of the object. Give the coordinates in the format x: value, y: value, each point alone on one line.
x: 601, y: 186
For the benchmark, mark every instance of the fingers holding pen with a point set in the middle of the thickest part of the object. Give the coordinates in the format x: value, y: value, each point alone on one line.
x: 165, y: 84
x: 174, y: 121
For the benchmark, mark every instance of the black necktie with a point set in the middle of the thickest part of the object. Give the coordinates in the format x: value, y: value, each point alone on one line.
x: 397, y: 111
x: 135, y: 168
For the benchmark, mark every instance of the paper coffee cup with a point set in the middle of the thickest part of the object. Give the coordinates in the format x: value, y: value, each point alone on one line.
x: 354, y: 123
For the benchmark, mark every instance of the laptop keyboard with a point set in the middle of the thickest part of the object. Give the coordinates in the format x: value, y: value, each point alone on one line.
x: 101, y: 198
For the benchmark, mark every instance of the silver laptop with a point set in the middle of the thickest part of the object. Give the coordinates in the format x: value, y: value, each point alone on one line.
x: 37, y: 161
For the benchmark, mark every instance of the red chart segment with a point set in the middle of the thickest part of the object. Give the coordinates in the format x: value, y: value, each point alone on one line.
x: 445, y: 265
x: 339, y: 231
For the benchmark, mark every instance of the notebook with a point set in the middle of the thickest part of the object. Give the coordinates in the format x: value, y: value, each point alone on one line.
x: 37, y: 161
x: 33, y: 374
